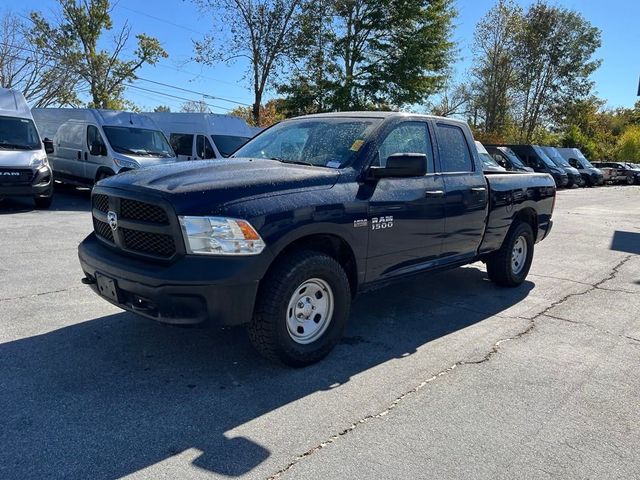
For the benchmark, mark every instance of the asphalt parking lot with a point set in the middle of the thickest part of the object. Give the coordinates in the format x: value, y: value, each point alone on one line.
x: 443, y: 377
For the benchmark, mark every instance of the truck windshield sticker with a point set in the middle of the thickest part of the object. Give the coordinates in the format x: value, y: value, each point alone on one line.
x: 356, y: 145
x: 333, y: 164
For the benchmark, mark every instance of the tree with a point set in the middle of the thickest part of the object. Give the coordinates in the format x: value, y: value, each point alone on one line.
x: 493, y: 67
x: 629, y: 144
x: 270, y: 113
x: 372, y: 54
x: 162, y: 108
x: 553, y: 59
x: 23, y: 67
x: 72, y: 43
x: 261, y: 31
x: 453, y: 100
x: 195, y: 106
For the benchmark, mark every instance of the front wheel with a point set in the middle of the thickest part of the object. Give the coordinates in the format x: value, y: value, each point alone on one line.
x: 509, y: 266
x: 301, y: 310
x: 630, y: 180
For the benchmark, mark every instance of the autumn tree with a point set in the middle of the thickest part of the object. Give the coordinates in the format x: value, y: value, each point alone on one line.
x: 271, y: 112
x: 195, y: 106
x: 72, y: 43
x: 260, y: 31
x: 25, y: 68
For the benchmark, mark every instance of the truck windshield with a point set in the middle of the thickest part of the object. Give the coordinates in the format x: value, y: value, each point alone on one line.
x: 18, y: 134
x: 513, y: 158
x: 488, y: 160
x: 556, y: 157
x: 227, y: 144
x: 323, y: 142
x: 138, y: 141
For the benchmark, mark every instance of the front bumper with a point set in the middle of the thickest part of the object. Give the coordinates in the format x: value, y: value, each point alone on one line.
x: 192, y: 290
x: 40, y: 186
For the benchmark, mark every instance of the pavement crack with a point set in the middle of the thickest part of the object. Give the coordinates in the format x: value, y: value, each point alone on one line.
x: 598, y: 329
x: 31, y: 295
x: 491, y: 353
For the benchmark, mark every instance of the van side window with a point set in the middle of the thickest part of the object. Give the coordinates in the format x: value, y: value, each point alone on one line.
x: 408, y: 137
x: 93, y: 136
x: 204, y: 148
x: 454, y: 150
x: 182, y: 143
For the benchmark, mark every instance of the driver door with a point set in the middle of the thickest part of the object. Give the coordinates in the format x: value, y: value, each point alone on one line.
x: 92, y: 162
x: 406, y: 215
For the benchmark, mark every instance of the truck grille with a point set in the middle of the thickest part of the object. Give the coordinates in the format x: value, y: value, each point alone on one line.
x: 16, y: 176
x: 143, y: 228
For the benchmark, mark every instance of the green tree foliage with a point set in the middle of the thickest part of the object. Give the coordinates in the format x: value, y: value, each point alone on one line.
x: 629, y: 144
x: 553, y: 59
x: 162, y: 108
x: 494, y: 73
x: 72, y: 43
x: 260, y: 31
x: 369, y: 54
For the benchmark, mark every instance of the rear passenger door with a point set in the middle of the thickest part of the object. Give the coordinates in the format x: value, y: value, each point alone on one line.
x: 466, y: 188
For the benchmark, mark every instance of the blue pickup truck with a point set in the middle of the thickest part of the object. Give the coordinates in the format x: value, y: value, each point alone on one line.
x: 313, y: 210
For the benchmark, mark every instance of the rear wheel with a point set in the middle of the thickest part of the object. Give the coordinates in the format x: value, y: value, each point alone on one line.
x: 509, y: 266
x: 301, y: 310
x: 630, y: 180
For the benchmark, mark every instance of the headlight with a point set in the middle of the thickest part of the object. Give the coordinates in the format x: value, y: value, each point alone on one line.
x: 123, y: 163
x: 220, y: 236
x: 39, y: 162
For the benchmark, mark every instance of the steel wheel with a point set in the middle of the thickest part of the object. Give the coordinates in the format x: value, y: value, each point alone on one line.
x: 518, y: 255
x: 310, y: 311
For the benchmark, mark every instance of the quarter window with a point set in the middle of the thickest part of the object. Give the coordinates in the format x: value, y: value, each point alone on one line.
x: 409, y: 137
x: 454, y: 150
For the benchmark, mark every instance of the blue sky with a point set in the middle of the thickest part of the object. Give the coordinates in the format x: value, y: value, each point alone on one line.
x: 176, y: 23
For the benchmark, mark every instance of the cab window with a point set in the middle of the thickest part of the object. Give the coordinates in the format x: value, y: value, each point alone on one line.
x: 408, y: 137
x: 93, y: 136
x: 454, y: 150
x: 182, y: 143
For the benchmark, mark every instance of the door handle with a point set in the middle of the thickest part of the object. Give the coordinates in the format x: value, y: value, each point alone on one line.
x: 478, y: 189
x: 86, y: 156
x: 79, y: 155
x: 434, y: 193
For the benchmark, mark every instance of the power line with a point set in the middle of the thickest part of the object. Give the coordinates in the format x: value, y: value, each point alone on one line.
x: 206, y: 95
x: 130, y: 85
x: 168, y: 22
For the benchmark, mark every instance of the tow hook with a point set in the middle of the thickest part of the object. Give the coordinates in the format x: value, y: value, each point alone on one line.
x: 88, y: 280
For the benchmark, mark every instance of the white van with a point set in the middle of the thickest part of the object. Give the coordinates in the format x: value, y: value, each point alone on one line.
x: 92, y: 144
x: 24, y: 169
x: 199, y: 136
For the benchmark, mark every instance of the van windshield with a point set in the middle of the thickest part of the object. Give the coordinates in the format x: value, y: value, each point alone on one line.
x: 513, y: 158
x: 583, y: 160
x: 324, y: 142
x: 138, y: 141
x: 227, y: 144
x: 544, y: 157
x: 556, y: 157
x: 18, y: 134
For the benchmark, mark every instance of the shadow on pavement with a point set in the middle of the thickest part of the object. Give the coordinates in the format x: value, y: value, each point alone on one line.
x: 628, y: 242
x: 110, y: 396
x: 65, y: 198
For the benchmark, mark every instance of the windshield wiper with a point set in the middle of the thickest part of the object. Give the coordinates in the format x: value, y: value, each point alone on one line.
x: 14, y: 145
x: 295, y: 162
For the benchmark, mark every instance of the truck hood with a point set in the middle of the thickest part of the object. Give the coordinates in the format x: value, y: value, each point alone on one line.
x: 209, y: 183
x: 19, y: 158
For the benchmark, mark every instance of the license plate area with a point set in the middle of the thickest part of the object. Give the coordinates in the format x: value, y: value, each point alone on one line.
x: 107, y: 287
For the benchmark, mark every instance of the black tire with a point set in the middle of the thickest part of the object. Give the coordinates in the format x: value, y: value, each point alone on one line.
x: 500, y: 267
x: 630, y: 180
x: 103, y: 174
x: 43, y: 203
x: 268, y: 329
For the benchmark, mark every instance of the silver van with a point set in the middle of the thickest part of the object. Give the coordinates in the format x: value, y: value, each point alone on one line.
x: 92, y: 144
x: 24, y: 169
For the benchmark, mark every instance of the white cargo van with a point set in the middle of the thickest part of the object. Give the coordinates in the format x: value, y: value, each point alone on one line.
x: 199, y: 136
x: 24, y: 169
x: 91, y: 144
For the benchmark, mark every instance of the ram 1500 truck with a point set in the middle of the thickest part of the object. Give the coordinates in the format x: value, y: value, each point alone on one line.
x: 305, y: 215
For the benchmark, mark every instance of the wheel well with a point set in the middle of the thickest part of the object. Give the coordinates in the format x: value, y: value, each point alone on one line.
x: 332, y: 245
x: 103, y: 170
x: 529, y: 215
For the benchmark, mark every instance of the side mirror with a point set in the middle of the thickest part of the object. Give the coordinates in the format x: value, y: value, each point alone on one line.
x: 48, y: 145
x: 401, y: 165
x: 98, y: 149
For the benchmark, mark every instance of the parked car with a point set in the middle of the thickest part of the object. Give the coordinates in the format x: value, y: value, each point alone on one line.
x: 24, y: 168
x: 620, y: 172
x: 201, y: 136
x: 575, y: 178
x: 533, y: 156
x: 92, y: 144
x: 591, y: 175
x: 507, y: 158
x: 488, y: 162
x: 283, y: 235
